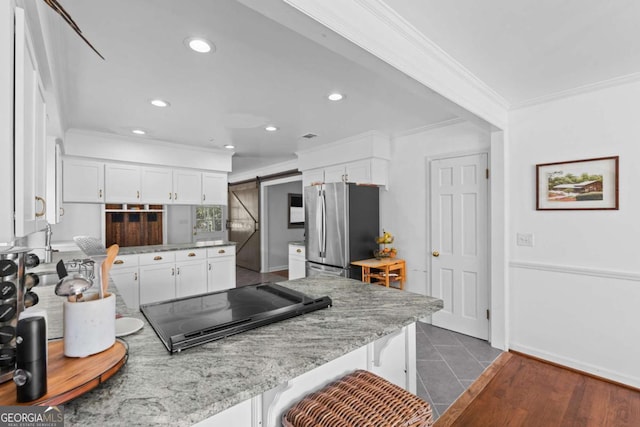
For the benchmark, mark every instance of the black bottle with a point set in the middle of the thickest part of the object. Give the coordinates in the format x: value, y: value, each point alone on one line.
x: 31, y: 359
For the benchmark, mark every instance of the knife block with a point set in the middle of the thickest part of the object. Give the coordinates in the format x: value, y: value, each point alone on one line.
x: 89, y: 326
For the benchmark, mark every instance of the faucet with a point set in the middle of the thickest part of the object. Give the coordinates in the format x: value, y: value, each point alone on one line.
x: 48, y: 252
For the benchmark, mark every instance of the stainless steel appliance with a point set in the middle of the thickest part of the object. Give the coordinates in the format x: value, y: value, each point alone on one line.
x: 341, y: 224
x: 14, y: 298
x: 186, y: 322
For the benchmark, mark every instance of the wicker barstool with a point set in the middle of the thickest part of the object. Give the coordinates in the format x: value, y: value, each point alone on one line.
x: 360, y: 399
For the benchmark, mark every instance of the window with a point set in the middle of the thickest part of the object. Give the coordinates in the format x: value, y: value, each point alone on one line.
x: 208, y: 219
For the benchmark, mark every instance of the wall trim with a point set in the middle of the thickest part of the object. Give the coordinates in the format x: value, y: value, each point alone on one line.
x: 582, y: 271
x: 591, y: 87
x: 576, y: 364
x: 428, y: 128
x: 262, y: 171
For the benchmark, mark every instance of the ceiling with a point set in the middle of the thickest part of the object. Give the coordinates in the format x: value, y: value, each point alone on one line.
x: 530, y: 49
x: 263, y: 72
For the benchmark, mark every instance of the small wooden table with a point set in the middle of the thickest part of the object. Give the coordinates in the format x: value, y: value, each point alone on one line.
x: 388, y: 270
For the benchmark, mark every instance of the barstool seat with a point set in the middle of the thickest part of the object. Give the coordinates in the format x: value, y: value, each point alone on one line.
x: 360, y: 399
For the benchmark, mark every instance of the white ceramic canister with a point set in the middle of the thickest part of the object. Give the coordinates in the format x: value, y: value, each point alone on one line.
x: 89, y: 326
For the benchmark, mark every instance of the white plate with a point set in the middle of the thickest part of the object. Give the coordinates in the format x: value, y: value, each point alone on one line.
x: 127, y: 326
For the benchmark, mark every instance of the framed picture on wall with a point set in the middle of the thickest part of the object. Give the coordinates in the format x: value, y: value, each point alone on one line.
x: 296, y: 211
x: 588, y: 184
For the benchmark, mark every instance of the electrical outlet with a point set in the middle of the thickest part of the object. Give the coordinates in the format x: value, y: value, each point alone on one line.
x: 524, y: 239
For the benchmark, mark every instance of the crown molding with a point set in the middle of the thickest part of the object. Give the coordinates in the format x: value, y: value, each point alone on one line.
x: 591, y: 87
x: 377, y: 28
x: 430, y: 127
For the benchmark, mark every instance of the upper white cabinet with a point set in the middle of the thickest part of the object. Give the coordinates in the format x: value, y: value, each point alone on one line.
x: 187, y: 187
x: 156, y: 185
x: 364, y: 159
x: 122, y: 183
x: 214, y: 188
x: 30, y: 122
x: 369, y: 171
x: 82, y: 181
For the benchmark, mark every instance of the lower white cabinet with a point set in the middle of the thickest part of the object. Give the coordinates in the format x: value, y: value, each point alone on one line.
x: 296, y: 261
x: 221, y: 266
x: 191, y: 272
x: 124, y: 274
x: 172, y: 274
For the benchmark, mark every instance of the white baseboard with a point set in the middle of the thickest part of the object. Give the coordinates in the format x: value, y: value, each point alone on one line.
x: 276, y: 268
x: 576, y: 364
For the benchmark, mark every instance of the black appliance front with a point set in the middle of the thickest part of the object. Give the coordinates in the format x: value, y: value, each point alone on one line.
x: 187, y: 322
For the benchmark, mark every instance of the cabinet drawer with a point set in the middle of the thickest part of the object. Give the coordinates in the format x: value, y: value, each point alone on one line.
x: 125, y: 261
x: 191, y: 255
x: 296, y: 250
x: 157, y: 258
x: 219, y: 251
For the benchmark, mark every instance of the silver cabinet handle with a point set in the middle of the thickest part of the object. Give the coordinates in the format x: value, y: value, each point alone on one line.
x: 178, y: 271
x: 100, y: 194
x: 169, y: 196
x: 135, y: 276
x: 209, y: 266
x: 175, y: 196
x: 173, y: 271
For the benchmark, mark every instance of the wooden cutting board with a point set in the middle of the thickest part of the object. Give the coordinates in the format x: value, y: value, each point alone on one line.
x: 69, y: 377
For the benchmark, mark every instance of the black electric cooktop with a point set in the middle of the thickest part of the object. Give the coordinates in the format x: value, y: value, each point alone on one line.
x: 186, y: 322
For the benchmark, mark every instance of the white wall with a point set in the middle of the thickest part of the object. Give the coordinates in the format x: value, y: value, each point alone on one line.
x: 278, y: 233
x: 403, y: 208
x: 575, y: 295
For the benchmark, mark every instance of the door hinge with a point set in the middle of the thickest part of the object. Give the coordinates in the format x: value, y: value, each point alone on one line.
x: 488, y: 314
x: 487, y: 173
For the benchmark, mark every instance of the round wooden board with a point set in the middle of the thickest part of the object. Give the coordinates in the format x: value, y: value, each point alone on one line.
x: 69, y: 377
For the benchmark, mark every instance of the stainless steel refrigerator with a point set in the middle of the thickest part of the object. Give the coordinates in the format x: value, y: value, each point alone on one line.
x: 341, y: 224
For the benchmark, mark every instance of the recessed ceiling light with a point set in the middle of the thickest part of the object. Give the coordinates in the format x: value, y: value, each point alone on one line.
x: 138, y: 131
x: 335, y: 96
x: 199, y: 45
x: 229, y: 146
x: 271, y: 128
x: 159, y: 103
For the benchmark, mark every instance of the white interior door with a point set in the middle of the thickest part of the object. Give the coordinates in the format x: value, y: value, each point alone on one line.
x: 459, y: 243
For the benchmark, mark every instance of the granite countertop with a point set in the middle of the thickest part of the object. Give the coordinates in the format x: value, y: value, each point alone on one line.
x: 133, y: 250
x: 159, y: 388
x: 297, y: 243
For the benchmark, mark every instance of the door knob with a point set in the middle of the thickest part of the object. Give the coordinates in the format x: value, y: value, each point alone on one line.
x: 435, y: 253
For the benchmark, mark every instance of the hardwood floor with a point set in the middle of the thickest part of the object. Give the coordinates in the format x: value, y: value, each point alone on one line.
x: 520, y: 391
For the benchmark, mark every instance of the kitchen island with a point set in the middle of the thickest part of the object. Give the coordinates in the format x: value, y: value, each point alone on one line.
x: 255, y: 375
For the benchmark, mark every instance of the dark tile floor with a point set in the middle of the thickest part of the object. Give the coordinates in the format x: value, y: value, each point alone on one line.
x: 247, y: 277
x: 448, y: 362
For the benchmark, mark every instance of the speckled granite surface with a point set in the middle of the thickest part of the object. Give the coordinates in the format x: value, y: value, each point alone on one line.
x: 132, y: 250
x: 158, y: 388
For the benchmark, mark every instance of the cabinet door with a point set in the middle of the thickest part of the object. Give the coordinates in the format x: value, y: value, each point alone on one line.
x: 156, y: 185
x: 126, y: 280
x: 191, y: 278
x: 312, y: 176
x: 187, y: 187
x: 214, y: 189
x: 122, y: 183
x: 334, y: 173
x: 30, y: 133
x: 157, y: 282
x: 82, y: 181
x: 222, y: 273
x: 359, y: 172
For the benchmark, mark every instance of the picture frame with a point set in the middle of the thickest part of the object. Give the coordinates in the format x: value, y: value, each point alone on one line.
x: 588, y: 184
x: 296, y: 211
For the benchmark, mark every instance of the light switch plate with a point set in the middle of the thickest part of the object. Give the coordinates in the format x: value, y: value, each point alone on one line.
x: 524, y: 239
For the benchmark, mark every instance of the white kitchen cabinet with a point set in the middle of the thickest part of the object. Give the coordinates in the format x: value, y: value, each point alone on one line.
x: 30, y: 122
x: 312, y: 176
x: 187, y: 187
x: 124, y: 274
x: 156, y: 185
x: 191, y: 272
x: 172, y: 274
x: 368, y: 171
x: 214, y: 188
x: 297, y: 259
x: 221, y: 267
x: 53, y: 162
x: 122, y: 183
x: 82, y: 180
x: 157, y: 277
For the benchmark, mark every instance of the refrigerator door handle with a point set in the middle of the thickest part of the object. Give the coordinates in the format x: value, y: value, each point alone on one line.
x: 319, y: 223
x: 323, y: 254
